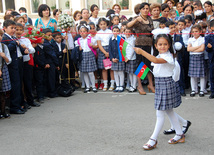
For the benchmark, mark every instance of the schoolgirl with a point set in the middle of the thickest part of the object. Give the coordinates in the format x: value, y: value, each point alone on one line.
x: 196, y: 47
x: 104, y: 35
x: 166, y: 95
x: 117, y: 66
x: 88, y: 64
x: 114, y: 21
x: 5, y: 59
x: 131, y: 59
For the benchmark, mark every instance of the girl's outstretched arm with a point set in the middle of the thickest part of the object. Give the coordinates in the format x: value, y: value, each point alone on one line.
x: 149, y: 56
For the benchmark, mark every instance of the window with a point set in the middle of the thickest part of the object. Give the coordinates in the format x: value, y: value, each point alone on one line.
x: 35, y: 4
x: 51, y: 4
x: 107, y: 4
x: 64, y: 4
x: 6, y: 4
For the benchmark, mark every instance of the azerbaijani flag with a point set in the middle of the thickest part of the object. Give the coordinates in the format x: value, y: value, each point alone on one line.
x: 121, y: 44
x: 142, y: 71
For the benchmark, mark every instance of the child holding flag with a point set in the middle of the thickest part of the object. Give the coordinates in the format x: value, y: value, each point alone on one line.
x: 117, y: 66
x: 166, y: 95
x: 131, y: 59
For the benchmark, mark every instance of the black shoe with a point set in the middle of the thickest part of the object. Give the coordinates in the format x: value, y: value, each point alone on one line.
x: 27, y: 106
x: 183, y: 94
x: 211, y: 96
x: 94, y: 90
x: 40, y: 100
x: 5, y: 115
x: 86, y: 90
x: 34, y: 104
x: 24, y: 110
x: 192, y: 94
x: 168, y: 132
x: 17, y: 111
x: 186, y: 127
x: 201, y: 94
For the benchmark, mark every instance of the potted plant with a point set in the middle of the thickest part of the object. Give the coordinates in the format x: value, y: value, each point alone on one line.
x: 35, y: 5
x: 53, y: 7
x: 124, y: 4
x: 67, y: 4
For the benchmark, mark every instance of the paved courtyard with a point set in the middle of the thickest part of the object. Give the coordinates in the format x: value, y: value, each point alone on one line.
x: 104, y: 124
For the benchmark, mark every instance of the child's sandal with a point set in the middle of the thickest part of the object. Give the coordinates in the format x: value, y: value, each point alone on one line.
x: 181, y: 140
x: 150, y: 147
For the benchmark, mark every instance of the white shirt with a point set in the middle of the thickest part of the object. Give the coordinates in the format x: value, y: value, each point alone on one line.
x: 130, y: 53
x: 59, y: 45
x: 70, y: 41
x: 94, y: 39
x: 19, y: 54
x: 28, y: 44
x: 94, y: 20
x: 164, y: 69
x: 83, y: 44
x: 196, y: 42
x: 7, y: 54
x: 104, y: 38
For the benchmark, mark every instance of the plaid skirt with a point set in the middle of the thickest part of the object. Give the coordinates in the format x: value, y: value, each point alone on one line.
x: 88, y: 63
x: 6, y: 85
x: 196, y: 65
x: 101, y: 57
x: 131, y: 66
x: 120, y: 66
x: 167, y: 94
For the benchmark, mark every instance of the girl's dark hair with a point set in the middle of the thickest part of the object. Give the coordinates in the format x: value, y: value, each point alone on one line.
x: 208, y: 3
x: 92, y: 23
x: 169, y: 40
x: 201, y: 17
x: 43, y: 7
x: 188, y: 6
x: 170, y: 22
x: 142, y: 5
x: 188, y: 17
x: 81, y: 24
x: 111, y: 18
x: 197, y: 26
x: 103, y: 19
x: 92, y: 7
x: 109, y: 12
x: 164, y: 6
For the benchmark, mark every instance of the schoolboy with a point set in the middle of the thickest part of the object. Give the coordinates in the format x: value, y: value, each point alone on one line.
x: 209, y: 45
x: 51, y: 63
x: 16, y: 50
x: 27, y: 67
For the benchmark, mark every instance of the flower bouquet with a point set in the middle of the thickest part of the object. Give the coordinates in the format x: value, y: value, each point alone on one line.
x: 65, y: 21
x: 35, y: 35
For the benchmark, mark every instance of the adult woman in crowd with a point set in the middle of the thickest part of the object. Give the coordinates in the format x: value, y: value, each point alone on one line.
x: 171, y: 3
x: 165, y: 12
x: 155, y: 12
x: 45, y: 21
x: 94, y: 14
x: 56, y: 14
x: 117, y: 9
x: 208, y: 9
x: 143, y: 24
x: 85, y: 15
x: 188, y: 10
x: 179, y: 7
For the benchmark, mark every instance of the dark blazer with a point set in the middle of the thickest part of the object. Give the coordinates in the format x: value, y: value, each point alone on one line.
x: 50, y: 53
x: 210, y: 39
x: 113, y: 49
x: 39, y: 58
x: 59, y: 54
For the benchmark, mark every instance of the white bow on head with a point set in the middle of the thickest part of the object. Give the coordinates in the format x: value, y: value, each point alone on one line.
x: 85, y: 26
x: 158, y: 31
x: 113, y: 15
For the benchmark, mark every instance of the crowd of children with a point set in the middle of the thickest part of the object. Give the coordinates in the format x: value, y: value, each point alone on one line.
x: 29, y: 66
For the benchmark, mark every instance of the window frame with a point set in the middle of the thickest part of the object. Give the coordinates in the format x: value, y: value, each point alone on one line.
x: 4, y: 7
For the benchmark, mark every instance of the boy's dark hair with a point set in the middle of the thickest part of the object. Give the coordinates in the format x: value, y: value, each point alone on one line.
x: 212, y: 23
x: 23, y: 9
x: 169, y: 23
x: 182, y: 21
x: 8, y: 23
x: 188, y: 17
x: 43, y: 7
x: 46, y: 30
x: 115, y: 27
x: 163, y: 20
x: 20, y: 25
x: 56, y: 33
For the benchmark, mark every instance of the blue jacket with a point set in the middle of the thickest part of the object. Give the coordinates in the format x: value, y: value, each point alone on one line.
x: 39, y: 58
x: 50, y: 53
x: 210, y: 39
x: 113, y: 49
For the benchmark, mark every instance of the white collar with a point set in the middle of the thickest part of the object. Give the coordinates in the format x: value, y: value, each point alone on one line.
x: 114, y: 38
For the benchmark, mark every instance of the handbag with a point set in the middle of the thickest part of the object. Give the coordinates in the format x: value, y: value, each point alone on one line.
x: 107, y: 63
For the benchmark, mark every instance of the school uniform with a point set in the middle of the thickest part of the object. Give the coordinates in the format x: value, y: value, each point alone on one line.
x: 166, y: 90
x: 15, y: 72
x: 210, y: 39
x: 104, y: 37
x: 130, y: 55
x: 196, y: 63
x: 39, y: 69
x: 113, y: 53
x: 28, y: 71
x: 88, y: 63
x: 52, y: 60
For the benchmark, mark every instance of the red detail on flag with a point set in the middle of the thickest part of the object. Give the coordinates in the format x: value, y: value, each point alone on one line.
x: 121, y: 48
x: 142, y: 71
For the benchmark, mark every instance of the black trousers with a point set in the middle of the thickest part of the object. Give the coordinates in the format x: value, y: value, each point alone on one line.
x: 39, y: 82
x: 51, y: 80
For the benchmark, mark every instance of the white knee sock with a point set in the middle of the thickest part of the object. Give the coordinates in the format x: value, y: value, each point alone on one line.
x: 158, y: 126
x: 180, y: 119
x: 116, y: 78
x: 121, y: 77
x: 128, y: 81
x: 112, y: 83
x: 174, y: 120
x: 131, y: 79
x: 92, y: 79
x: 105, y: 83
x: 86, y: 78
x: 82, y: 78
x: 134, y: 81
x: 202, y: 83
x: 193, y: 82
